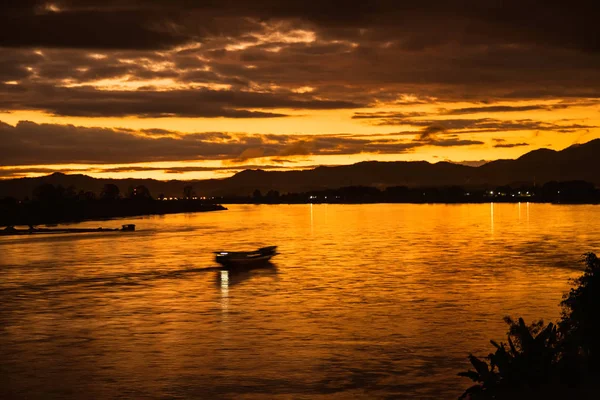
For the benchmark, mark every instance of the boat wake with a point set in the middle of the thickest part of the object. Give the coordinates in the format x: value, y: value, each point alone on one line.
x: 127, y: 279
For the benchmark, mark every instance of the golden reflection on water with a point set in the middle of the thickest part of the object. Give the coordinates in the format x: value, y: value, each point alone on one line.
x: 492, y: 217
x: 224, y: 291
x: 364, y: 301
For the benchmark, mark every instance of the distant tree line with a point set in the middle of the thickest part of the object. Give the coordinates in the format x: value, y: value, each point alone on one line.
x: 551, y: 192
x: 51, y: 204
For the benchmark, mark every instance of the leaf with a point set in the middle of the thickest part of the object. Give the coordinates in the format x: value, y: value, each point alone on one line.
x: 513, y: 350
x: 525, y: 336
x: 472, y: 390
x: 481, y: 367
x: 474, y: 376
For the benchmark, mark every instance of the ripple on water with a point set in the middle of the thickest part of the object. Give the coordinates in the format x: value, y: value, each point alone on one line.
x: 364, y: 301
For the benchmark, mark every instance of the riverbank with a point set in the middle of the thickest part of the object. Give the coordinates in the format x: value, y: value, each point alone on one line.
x: 40, y: 213
x: 11, y: 231
x: 575, y: 192
x: 386, y: 201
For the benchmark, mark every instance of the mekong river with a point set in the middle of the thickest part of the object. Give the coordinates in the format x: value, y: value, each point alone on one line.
x: 364, y: 301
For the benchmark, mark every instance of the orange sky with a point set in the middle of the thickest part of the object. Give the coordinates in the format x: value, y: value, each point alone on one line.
x: 282, y: 88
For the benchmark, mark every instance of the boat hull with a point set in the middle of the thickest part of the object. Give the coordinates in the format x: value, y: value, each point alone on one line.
x: 246, y: 259
x: 243, y: 262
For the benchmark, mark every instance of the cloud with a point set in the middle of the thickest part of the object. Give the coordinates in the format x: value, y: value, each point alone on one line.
x: 510, y: 145
x: 257, y: 60
x: 411, y: 26
x: 124, y: 28
x: 260, y: 54
x: 248, y: 154
x: 90, y: 102
x: 475, y: 125
x: 388, y: 115
x: 29, y: 143
x: 7, y: 173
x: 438, y: 136
x: 501, y: 109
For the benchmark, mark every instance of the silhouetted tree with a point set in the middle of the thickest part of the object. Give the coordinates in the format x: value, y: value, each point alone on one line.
x: 188, y: 192
x: 86, y: 196
x: 273, y: 194
x: 70, y: 193
x: 581, y: 314
x: 8, y: 201
x: 141, y: 192
x: 257, y: 195
x: 46, y: 193
x: 539, y: 360
x: 110, y: 192
x: 551, y: 191
x: 529, y: 360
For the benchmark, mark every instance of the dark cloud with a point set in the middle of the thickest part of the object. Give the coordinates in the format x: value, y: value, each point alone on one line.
x: 401, y: 116
x: 7, y: 173
x: 380, y: 51
x: 387, y: 115
x: 431, y: 131
x: 475, y: 125
x: 90, y: 102
x: 510, y: 145
x: 98, y: 28
x: 453, y: 142
x: 501, y: 109
x: 410, y: 25
x: 438, y: 136
x: 29, y: 143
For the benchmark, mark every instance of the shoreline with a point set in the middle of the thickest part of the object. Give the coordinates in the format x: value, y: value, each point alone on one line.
x: 413, y: 202
x: 46, y: 214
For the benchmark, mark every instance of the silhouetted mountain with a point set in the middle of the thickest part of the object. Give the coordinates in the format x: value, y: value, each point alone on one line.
x: 578, y: 162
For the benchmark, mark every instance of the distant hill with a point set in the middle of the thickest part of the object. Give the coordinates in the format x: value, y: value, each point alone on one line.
x: 578, y: 162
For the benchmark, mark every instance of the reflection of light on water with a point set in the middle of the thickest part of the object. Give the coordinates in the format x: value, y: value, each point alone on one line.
x: 224, y: 290
x: 380, y: 302
x: 527, y: 213
x: 492, y: 217
x: 311, y: 218
x: 519, y: 211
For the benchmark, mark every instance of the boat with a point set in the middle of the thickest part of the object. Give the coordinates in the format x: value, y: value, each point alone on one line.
x: 12, y: 231
x: 246, y: 258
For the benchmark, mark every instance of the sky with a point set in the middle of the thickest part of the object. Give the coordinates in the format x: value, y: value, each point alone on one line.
x: 184, y: 89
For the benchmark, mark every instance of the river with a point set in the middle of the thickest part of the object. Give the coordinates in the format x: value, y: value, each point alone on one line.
x: 364, y: 301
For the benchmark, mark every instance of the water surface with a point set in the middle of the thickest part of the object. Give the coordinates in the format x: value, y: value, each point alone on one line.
x: 364, y: 301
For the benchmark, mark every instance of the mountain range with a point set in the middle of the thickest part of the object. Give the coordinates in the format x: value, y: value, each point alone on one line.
x: 577, y: 162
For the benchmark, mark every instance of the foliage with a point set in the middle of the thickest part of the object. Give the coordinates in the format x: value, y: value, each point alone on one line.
x: 48, y: 193
x: 110, y: 192
x: 580, y: 321
x: 528, y: 360
x: 141, y: 192
x: 545, y: 358
x: 188, y: 192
